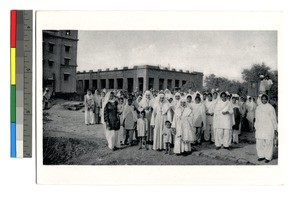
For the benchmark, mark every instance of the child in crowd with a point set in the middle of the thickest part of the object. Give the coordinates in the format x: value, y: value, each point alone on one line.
x: 142, y: 130
x: 167, y: 136
x: 129, y: 121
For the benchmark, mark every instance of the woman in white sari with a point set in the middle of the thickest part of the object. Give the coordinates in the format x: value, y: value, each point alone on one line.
x: 266, y: 129
x: 146, y: 104
x: 183, y: 127
x: 161, y: 113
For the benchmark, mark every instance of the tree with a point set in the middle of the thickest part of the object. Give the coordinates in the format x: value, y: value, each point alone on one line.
x: 252, y: 74
x: 212, y: 82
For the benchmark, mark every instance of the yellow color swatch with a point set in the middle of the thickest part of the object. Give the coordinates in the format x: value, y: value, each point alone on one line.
x: 13, y: 66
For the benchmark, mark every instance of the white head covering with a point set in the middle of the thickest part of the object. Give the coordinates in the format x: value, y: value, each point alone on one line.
x: 106, y: 99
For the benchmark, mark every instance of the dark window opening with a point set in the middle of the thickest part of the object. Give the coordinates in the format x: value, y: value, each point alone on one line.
x: 51, y: 63
x: 183, y: 82
x: 111, y: 83
x: 66, y: 77
x: 94, y: 84
x: 141, y: 84
x: 120, y: 83
x: 151, y: 83
x: 86, y: 85
x: 67, y: 61
x: 169, y: 84
x: 51, y: 47
x: 161, y: 84
x: 67, y: 49
x: 130, y: 84
x: 176, y: 83
x: 103, y: 83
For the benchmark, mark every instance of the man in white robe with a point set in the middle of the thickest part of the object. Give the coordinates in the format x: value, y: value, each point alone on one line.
x: 266, y: 129
x: 183, y: 127
x: 223, y: 117
x: 161, y: 113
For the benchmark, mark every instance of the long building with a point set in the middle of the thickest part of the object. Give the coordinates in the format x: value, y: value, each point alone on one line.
x: 140, y: 78
x: 60, y: 60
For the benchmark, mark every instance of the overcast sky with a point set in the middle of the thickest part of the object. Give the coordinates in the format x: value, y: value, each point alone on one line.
x: 223, y: 53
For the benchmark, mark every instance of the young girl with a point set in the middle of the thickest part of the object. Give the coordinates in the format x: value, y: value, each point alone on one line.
x: 142, y: 130
x: 167, y: 136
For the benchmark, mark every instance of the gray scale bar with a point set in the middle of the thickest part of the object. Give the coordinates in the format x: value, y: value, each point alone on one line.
x: 27, y: 28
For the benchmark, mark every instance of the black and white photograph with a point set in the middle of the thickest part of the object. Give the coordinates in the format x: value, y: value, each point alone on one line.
x: 160, y: 97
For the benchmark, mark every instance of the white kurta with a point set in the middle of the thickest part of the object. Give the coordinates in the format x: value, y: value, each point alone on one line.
x: 265, y: 125
x: 161, y: 114
x: 265, y: 122
x: 223, y: 123
x: 183, y: 122
x: 199, y: 112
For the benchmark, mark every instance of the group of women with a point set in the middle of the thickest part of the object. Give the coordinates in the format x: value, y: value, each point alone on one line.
x: 216, y: 117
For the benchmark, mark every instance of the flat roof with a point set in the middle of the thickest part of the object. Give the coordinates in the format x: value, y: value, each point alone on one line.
x: 147, y: 67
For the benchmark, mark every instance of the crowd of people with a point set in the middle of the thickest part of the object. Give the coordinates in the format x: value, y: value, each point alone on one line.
x: 175, y: 121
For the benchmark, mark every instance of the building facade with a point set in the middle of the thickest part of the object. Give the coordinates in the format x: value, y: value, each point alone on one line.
x: 139, y: 78
x: 60, y: 60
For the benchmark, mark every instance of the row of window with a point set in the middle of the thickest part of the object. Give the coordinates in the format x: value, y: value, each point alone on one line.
x: 130, y: 83
x: 51, y: 48
x: 66, y: 62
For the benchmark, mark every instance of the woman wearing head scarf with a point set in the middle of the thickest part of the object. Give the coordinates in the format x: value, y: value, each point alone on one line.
x: 183, y: 127
x: 161, y: 113
x: 112, y: 120
x: 198, y: 109
x: 89, y: 104
x: 266, y: 129
x: 97, y: 97
x: 146, y: 104
x: 223, y: 121
x: 250, y: 107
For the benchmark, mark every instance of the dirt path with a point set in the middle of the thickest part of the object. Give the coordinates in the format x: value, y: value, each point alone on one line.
x: 67, y: 140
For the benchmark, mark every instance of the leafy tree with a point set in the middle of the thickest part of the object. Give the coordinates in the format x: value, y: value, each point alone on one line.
x: 252, y: 74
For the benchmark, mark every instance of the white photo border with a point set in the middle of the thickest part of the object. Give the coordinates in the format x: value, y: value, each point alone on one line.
x: 155, y: 20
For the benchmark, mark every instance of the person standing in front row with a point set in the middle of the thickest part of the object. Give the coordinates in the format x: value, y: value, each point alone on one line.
x: 111, y: 120
x: 89, y: 104
x: 142, y: 130
x: 222, y: 122
x: 129, y: 121
x: 161, y: 113
x: 167, y: 137
x: 266, y: 129
x: 183, y: 128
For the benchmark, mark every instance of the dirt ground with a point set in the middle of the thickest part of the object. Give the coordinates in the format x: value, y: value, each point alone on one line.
x: 68, y: 141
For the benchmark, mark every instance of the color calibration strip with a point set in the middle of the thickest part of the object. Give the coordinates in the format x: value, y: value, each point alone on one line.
x: 21, y: 83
